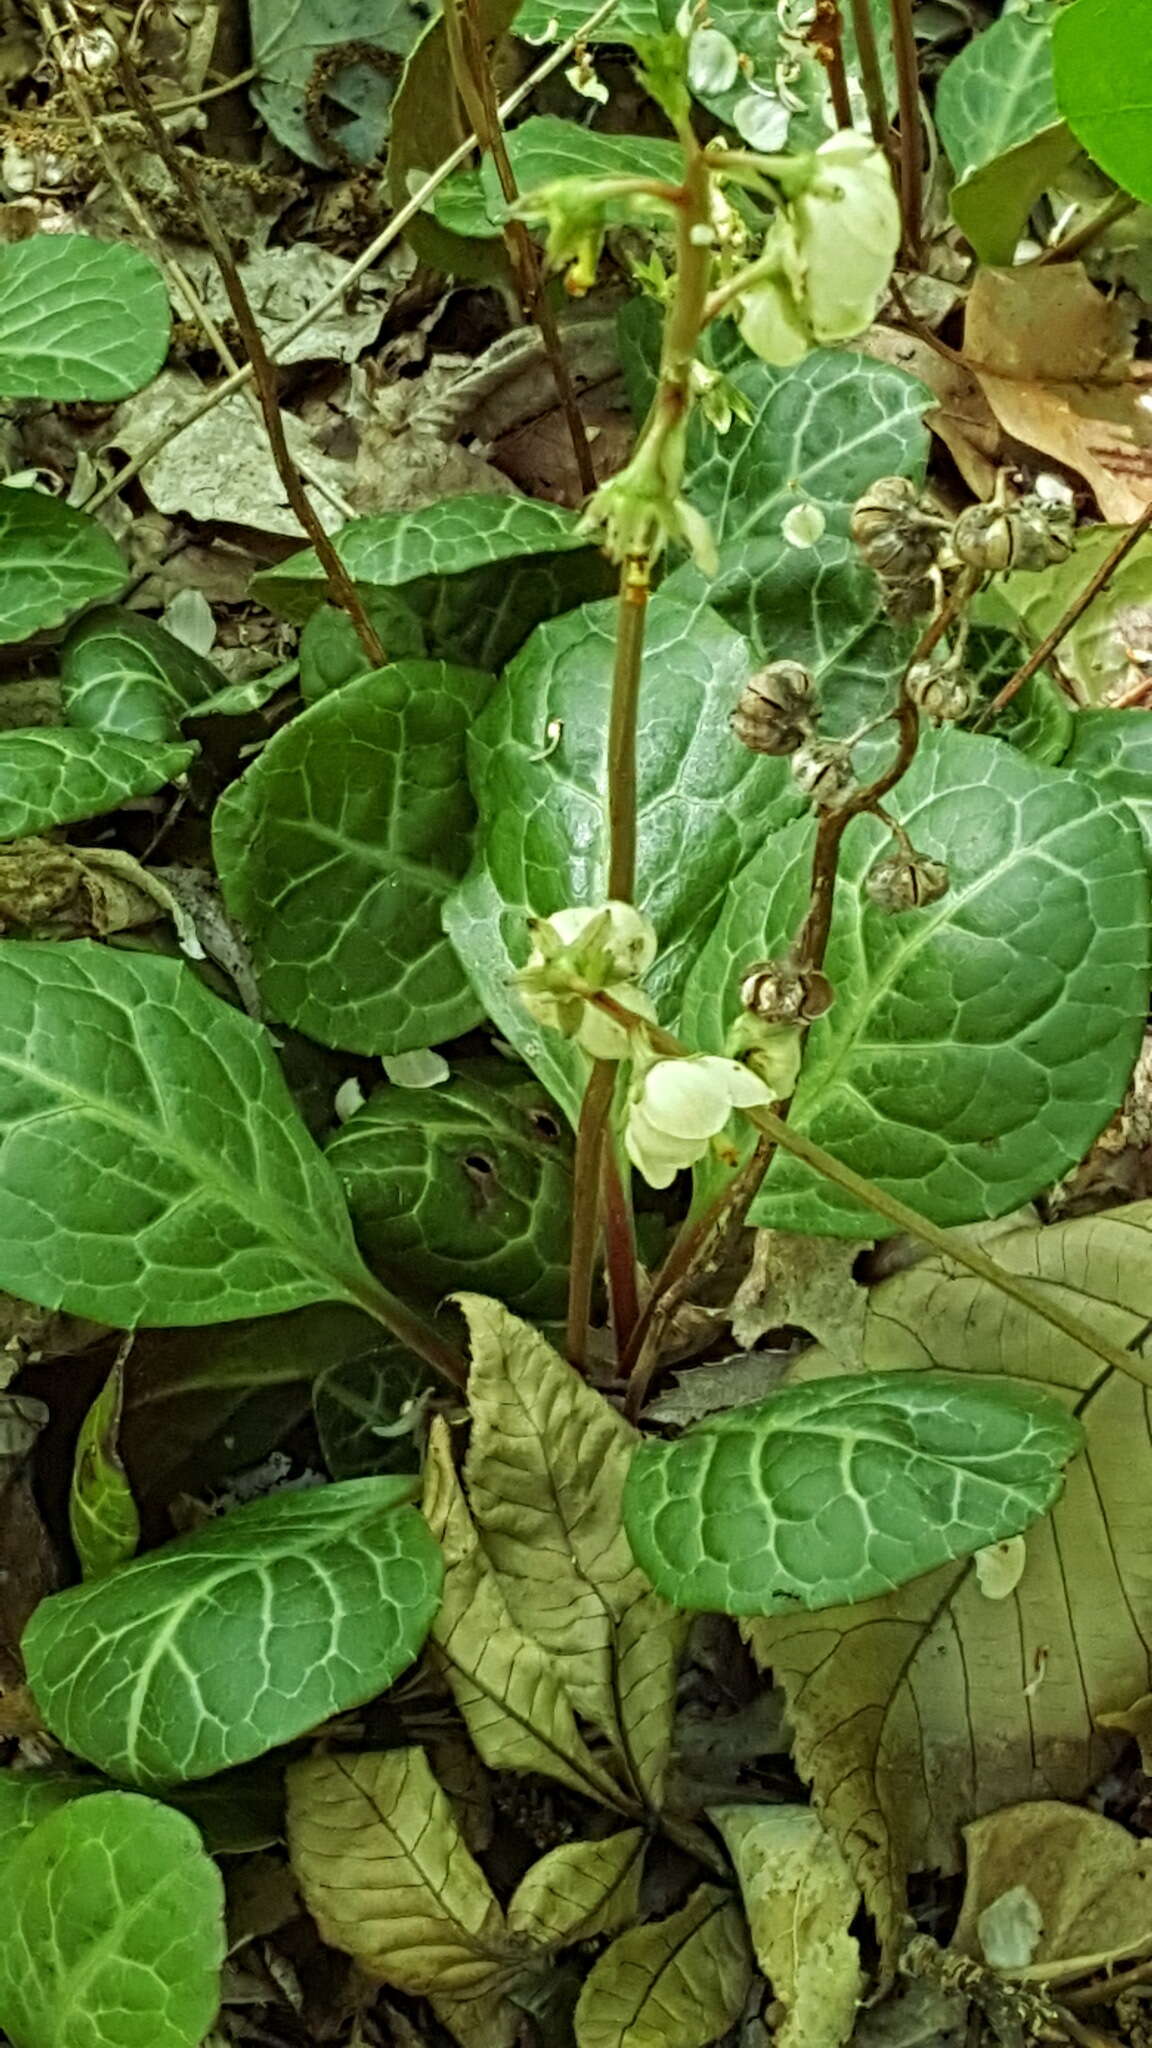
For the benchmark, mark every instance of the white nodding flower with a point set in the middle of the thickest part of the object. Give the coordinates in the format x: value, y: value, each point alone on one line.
x: 679, y: 1105
x: 828, y: 255
x: 583, y: 952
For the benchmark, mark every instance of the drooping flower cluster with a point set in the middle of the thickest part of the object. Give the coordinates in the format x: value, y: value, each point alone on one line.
x: 677, y: 1104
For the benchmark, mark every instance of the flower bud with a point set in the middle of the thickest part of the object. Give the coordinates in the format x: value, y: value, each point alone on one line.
x: 906, y: 880
x: 822, y: 770
x: 778, y: 993
x: 581, y: 952
x: 776, y: 709
x: 848, y: 231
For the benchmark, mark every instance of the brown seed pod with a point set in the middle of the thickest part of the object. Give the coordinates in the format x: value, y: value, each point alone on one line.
x: 776, y: 708
x: 778, y: 993
x: 894, y: 535
x: 1028, y: 536
x: 823, y: 771
x: 906, y: 881
x: 942, y: 695
x: 908, y: 599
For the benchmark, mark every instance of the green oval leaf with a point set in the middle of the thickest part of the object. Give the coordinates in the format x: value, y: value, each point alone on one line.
x: 115, y: 1929
x: 976, y: 1048
x: 1112, y: 750
x: 79, y: 318
x: 474, y: 1176
x: 28, y: 1797
x: 842, y: 1489
x: 121, y: 673
x: 538, y: 760
x: 476, y: 572
x: 999, y: 123
x: 151, y: 1124
x: 52, y: 776
x: 1102, y: 56
x: 543, y: 148
x: 337, y: 848
x: 53, y: 560
x: 102, y: 1514
x: 226, y: 1643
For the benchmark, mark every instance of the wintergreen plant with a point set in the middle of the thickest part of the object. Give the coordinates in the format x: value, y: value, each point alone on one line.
x: 732, y: 867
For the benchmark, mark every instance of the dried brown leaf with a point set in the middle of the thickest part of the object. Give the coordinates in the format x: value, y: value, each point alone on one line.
x: 1089, y: 1878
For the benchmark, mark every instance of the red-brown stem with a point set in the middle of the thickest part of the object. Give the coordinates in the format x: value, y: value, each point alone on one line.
x: 619, y: 1251
x: 341, y: 588
x: 871, y: 76
x: 827, y: 39
x: 595, y: 1110
x: 911, y: 135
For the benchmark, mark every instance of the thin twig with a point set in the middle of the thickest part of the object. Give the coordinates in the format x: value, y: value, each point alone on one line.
x: 619, y: 1249
x: 175, y: 273
x: 1092, y: 590
x: 473, y: 75
x: 911, y: 135
x: 871, y: 76
x: 341, y: 588
x: 368, y: 256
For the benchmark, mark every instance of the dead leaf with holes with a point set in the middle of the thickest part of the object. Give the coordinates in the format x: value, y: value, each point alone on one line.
x: 1054, y: 359
x: 1088, y: 1881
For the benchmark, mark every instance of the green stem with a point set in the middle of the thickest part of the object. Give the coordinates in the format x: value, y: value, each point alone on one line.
x: 594, y: 1113
x: 631, y: 616
x: 871, y: 76
x: 407, y: 1327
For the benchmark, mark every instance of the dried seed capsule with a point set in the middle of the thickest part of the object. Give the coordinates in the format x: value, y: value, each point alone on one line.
x: 1031, y: 535
x: 823, y: 771
x: 941, y: 693
x: 906, y: 881
x: 776, y: 709
x: 778, y: 993
x: 893, y: 534
x: 912, y: 598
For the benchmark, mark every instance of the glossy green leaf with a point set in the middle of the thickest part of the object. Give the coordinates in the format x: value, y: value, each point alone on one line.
x: 330, y: 650
x: 327, y: 110
x: 538, y: 765
x: 543, y: 148
x: 472, y: 1178
x: 103, y: 1516
x: 28, y: 1797
x: 226, y: 1643
x: 1102, y: 56
x: 50, y: 775
x: 149, y: 1124
x: 336, y: 849
x: 975, y: 1048
x: 818, y: 435
x: 842, y: 1489
x: 683, y: 1979
x: 115, y: 1930
x: 363, y: 1409
x: 1112, y: 750
x: 235, y: 700
x: 477, y: 572
x: 53, y: 560
x: 428, y: 121
x: 79, y: 318
x: 1000, y: 126
x: 122, y: 673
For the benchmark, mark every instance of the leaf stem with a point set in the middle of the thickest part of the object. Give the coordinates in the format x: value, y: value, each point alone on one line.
x: 826, y: 37
x: 911, y: 134
x: 406, y: 1326
x: 631, y: 618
